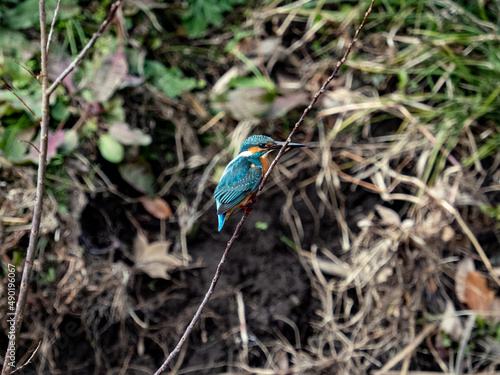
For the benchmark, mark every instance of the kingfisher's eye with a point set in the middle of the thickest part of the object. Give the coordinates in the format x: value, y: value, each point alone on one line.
x: 262, y: 145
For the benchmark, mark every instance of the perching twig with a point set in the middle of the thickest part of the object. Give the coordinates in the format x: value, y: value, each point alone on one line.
x: 218, y: 272
x: 42, y: 164
x: 315, y: 99
x: 250, y: 206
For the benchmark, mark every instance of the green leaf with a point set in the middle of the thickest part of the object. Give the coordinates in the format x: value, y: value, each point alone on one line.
x: 60, y: 111
x: 110, y: 149
x: 170, y: 81
x: 201, y: 13
x: 89, y: 128
x: 287, y: 241
x: 13, y: 142
x: 261, y: 225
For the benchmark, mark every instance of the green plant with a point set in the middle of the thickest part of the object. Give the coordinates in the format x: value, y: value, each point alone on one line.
x: 170, y: 81
x: 202, y: 13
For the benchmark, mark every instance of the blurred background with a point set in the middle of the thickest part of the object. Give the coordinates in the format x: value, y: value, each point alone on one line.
x: 373, y: 250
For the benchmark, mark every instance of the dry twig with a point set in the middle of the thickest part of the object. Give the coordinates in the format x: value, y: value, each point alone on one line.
x: 42, y: 164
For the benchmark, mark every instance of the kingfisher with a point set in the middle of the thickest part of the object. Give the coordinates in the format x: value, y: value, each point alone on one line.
x: 242, y: 176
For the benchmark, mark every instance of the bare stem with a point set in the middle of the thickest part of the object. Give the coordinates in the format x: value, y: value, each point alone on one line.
x: 40, y: 188
x: 218, y: 272
x: 42, y: 163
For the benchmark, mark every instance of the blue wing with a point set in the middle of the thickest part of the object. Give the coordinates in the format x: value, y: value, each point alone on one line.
x: 238, y: 180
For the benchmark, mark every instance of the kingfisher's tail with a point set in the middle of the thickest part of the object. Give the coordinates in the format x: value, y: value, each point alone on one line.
x: 222, y: 220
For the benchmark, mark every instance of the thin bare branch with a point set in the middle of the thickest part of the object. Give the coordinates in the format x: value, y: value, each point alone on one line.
x: 42, y: 166
x: 83, y: 52
x: 211, y: 289
x: 28, y: 70
x: 52, y: 25
x: 32, y: 145
x: 40, y: 189
x: 236, y: 232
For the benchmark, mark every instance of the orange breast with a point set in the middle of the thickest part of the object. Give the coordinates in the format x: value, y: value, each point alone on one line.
x: 265, y: 164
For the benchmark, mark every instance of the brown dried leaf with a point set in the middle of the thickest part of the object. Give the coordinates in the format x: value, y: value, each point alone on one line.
x: 153, y: 259
x: 157, y: 207
x: 471, y: 287
x: 477, y: 294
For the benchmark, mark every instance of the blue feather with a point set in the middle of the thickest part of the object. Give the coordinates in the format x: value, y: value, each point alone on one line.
x: 222, y: 220
x: 240, y: 178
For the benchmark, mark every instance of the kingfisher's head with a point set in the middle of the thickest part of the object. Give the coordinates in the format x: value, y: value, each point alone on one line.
x: 262, y: 144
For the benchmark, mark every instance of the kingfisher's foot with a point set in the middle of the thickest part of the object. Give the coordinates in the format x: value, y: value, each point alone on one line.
x: 247, y: 209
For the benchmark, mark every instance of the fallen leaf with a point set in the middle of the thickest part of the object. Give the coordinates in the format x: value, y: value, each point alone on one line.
x: 58, y: 62
x: 153, y: 258
x: 246, y: 103
x: 472, y: 289
x: 157, y: 207
x: 477, y: 294
x: 284, y: 104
